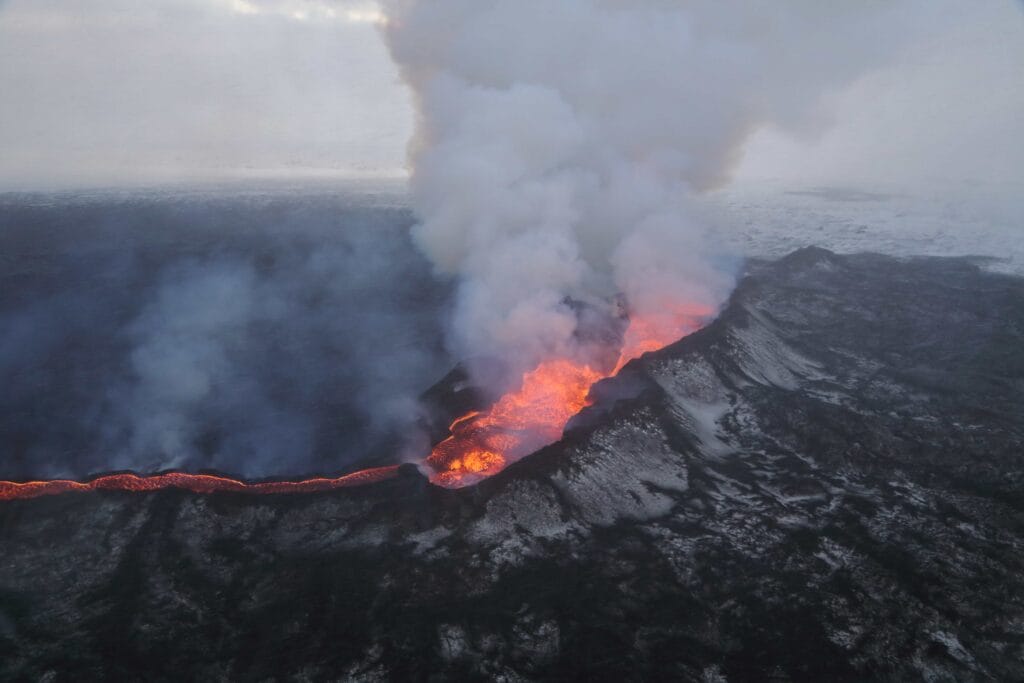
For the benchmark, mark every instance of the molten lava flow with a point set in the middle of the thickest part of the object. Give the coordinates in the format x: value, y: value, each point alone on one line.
x: 483, y: 443
x: 196, y: 483
x: 654, y: 331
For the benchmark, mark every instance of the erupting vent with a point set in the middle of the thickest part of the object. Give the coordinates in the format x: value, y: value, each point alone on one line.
x: 481, y: 443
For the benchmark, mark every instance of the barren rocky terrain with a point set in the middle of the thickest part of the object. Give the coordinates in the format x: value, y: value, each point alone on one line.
x: 826, y: 483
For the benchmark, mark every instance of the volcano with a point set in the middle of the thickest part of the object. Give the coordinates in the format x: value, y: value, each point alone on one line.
x: 821, y: 484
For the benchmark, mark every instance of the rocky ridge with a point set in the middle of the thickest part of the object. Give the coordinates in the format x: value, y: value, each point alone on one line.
x: 823, y: 484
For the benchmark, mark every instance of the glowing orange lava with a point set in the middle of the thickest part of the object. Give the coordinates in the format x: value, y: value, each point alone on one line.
x: 481, y: 444
x: 522, y: 421
x: 196, y: 483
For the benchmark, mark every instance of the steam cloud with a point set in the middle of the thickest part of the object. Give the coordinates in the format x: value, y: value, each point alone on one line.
x: 262, y: 335
x: 561, y: 145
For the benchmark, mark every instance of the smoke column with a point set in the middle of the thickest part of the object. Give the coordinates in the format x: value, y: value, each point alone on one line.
x: 560, y: 145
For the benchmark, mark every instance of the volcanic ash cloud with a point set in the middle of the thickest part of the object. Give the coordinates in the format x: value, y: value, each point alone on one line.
x: 560, y: 145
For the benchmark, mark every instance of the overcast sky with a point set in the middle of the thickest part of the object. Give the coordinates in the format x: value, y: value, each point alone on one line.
x: 949, y: 108
x: 125, y: 91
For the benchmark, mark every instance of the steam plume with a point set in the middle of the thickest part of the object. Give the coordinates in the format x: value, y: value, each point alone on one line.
x: 560, y: 145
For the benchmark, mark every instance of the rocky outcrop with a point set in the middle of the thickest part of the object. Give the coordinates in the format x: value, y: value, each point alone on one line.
x: 823, y: 484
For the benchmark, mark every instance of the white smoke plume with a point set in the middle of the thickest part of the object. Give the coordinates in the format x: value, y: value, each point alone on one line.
x: 560, y: 144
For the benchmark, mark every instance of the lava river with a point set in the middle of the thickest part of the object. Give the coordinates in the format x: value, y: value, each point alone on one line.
x: 480, y: 444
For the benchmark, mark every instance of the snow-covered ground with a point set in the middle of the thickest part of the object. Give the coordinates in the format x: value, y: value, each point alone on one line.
x: 772, y: 219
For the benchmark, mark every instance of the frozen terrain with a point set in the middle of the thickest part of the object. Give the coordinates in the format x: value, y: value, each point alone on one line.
x: 770, y: 219
x: 823, y: 484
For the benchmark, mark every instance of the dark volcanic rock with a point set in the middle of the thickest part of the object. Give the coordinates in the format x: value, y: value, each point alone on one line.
x: 824, y: 484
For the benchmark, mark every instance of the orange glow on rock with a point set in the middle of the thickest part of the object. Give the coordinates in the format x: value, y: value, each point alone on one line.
x: 655, y: 331
x: 482, y: 443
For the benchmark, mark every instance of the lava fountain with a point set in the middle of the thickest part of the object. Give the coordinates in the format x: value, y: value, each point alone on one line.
x: 481, y: 443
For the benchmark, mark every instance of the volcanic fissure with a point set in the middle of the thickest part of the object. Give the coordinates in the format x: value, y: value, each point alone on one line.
x: 480, y: 443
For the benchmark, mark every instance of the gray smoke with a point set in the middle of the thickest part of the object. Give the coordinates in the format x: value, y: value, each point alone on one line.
x: 264, y: 336
x: 561, y: 146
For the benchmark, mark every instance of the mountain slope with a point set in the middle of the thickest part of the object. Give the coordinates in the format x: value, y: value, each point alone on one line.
x: 824, y: 483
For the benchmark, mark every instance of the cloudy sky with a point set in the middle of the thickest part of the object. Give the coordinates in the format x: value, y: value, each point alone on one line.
x: 118, y: 90
x: 950, y: 107
x: 123, y: 91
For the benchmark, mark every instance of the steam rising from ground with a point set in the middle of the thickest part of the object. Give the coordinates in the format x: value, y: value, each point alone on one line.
x: 560, y: 146
x: 266, y: 334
